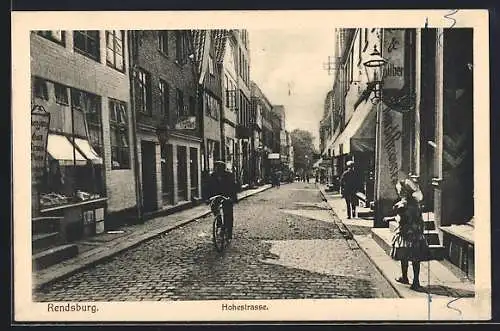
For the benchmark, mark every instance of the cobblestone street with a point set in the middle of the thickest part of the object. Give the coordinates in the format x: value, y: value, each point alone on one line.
x: 286, y: 245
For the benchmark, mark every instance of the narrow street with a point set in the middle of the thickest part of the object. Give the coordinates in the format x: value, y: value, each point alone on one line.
x: 286, y: 246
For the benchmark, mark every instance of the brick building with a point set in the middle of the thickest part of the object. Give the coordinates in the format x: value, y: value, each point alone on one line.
x: 166, y: 102
x: 81, y: 79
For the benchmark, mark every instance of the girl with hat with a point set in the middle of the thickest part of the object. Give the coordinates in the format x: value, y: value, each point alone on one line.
x: 409, y: 243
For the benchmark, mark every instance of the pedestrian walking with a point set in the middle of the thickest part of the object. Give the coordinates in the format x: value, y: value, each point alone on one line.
x: 349, y: 185
x: 409, y: 243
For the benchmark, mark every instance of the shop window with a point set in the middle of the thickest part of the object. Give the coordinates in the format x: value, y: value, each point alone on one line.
x: 61, y: 92
x: 40, y: 87
x: 144, y: 92
x: 118, y: 123
x: 53, y: 35
x: 74, y: 169
x: 163, y: 42
x: 87, y: 43
x: 164, y: 99
x: 115, y: 50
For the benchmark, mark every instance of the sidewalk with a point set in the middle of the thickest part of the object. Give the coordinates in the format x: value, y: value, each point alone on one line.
x: 436, y: 278
x: 101, y: 247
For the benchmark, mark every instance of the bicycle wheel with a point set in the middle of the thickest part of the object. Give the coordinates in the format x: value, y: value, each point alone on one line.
x: 218, y: 234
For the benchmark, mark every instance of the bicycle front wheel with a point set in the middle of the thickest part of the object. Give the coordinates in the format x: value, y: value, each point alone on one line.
x: 219, y: 235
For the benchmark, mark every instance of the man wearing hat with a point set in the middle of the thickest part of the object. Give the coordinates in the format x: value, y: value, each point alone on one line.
x: 349, y: 184
x: 222, y: 182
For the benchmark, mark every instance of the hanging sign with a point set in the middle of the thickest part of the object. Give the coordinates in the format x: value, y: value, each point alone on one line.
x: 394, y: 53
x: 40, y: 121
x: 396, y: 92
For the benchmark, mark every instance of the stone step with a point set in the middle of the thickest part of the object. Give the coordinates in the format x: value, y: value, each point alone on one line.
x: 432, y: 237
x: 428, y: 225
x: 45, y: 224
x: 383, y: 237
x: 49, y: 257
x: 42, y: 241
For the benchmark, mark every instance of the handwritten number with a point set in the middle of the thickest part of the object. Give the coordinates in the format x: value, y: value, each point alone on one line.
x: 426, y: 22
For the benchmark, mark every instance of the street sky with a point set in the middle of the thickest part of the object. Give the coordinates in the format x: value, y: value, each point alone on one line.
x: 288, y: 66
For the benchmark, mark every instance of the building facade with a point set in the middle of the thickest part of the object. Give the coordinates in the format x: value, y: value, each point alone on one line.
x: 244, y: 127
x: 262, y: 141
x: 89, y: 165
x: 166, y: 103
x: 230, y: 109
x: 416, y: 123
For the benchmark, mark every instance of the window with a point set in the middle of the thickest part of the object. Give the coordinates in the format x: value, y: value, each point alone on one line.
x: 114, y: 49
x: 53, y: 35
x: 144, y: 92
x: 40, y: 87
x: 87, y: 43
x: 180, y: 103
x: 212, y: 106
x: 87, y: 117
x: 164, y: 99
x: 163, y: 42
x: 211, y: 65
x: 192, y: 106
x: 180, y: 50
x: 61, y: 94
x: 226, y: 80
x: 118, y: 124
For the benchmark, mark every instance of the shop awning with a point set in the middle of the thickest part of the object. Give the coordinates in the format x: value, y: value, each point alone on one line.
x: 361, y: 127
x: 364, y: 138
x: 61, y: 149
x: 87, y: 150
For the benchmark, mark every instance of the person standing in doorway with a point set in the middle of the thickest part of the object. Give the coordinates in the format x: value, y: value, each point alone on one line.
x: 349, y: 184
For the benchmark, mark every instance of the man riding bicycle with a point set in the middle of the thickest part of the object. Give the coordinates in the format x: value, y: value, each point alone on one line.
x: 222, y: 182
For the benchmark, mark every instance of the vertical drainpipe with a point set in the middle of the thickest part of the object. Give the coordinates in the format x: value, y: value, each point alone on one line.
x: 378, y: 149
x: 132, y: 62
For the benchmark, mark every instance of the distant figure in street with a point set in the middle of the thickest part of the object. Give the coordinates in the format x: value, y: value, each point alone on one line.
x: 349, y: 184
x: 409, y: 243
x: 223, y: 182
x: 307, y: 178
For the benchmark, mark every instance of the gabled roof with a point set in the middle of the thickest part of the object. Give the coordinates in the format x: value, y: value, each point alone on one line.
x: 198, y: 39
x: 219, y: 38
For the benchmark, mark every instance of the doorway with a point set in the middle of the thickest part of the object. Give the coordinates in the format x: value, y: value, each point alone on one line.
x: 148, y: 170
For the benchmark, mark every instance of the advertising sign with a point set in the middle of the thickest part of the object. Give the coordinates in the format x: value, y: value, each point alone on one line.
x: 40, y: 121
x: 390, y: 157
x: 394, y: 53
x: 186, y: 123
x: 273, y: 156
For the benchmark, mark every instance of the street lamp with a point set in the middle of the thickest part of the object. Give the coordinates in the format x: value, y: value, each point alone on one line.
x: 374, y: 72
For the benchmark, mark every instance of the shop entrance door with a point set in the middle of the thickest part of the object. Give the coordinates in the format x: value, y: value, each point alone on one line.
x: 148, y: 175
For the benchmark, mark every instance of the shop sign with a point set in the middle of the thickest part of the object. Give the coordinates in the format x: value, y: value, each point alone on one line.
x: 390, y: 155
x: 186, y: 123
x: 40, y: 121
x: 394, y: 53
x: 273, y: 156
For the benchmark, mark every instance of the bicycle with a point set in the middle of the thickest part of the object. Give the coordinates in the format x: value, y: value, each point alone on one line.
x: 219, y: 231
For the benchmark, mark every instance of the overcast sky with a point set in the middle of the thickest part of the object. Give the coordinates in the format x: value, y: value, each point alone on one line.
x: 288, y: 67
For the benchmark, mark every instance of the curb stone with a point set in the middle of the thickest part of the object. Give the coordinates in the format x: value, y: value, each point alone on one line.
x: 111, y: 249
x: 356, y: 240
